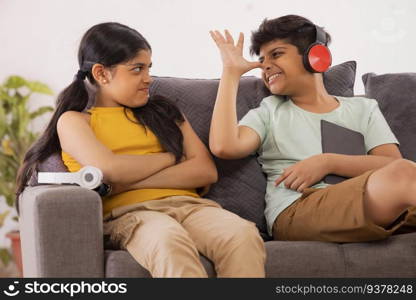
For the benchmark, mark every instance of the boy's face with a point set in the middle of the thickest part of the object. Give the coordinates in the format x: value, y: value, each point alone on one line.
x: 283, y: 70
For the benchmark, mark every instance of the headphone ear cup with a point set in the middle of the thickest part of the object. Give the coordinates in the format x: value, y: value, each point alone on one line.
x: 90, y: 177
x: 317, y: 59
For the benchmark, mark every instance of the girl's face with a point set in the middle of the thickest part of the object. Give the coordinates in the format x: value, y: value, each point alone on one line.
x: 283, y: 70
x: 128, y: 83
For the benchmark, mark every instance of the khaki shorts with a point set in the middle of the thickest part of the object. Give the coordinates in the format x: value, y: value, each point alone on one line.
x: 120, y: 224
x: 336, y: 214
x: 167, y: 236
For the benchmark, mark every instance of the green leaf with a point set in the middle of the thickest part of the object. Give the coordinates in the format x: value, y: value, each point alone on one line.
x: 40, y: 111
x: 3, y: 125
x: 10, y: 200
x: 15, y: 121
x: 5, y: 256
x: 5, y: 97
x: 23, y: 119
x: 15, y: 82
x: 38, y: 87
x: 3, y: 217
x: 22, y: 100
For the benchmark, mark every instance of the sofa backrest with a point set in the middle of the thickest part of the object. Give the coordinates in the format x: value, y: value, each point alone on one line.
x: 241, y: 186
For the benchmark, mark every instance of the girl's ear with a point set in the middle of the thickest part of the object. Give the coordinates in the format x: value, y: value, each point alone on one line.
x: 101, y: 74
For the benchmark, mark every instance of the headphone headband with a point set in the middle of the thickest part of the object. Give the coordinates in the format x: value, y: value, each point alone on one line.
x: 320, y: 35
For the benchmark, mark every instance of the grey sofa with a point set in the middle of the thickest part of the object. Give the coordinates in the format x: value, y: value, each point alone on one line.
x: 61, y: 226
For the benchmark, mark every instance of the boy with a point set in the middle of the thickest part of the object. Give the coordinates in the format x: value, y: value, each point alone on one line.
x: 378, y: 199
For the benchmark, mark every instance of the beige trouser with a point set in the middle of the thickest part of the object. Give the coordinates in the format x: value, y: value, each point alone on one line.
x: 165, y: 236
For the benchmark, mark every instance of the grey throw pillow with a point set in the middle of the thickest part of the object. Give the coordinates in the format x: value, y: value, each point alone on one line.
x: 396, y: 96
x: 339, y: 80
x: 53, y: 163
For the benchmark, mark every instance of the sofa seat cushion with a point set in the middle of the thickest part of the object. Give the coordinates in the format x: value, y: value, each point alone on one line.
x: 392, y: 257
x: 119, y: 263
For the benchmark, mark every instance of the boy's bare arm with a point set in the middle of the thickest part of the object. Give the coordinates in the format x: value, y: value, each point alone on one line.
x: 309, y: 171
x: 355, y: 165
x: 228, y: 140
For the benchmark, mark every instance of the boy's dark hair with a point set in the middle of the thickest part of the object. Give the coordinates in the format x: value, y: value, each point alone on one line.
x: 293, y: 29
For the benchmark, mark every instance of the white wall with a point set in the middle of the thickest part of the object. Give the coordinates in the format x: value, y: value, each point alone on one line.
x: 39, y: 39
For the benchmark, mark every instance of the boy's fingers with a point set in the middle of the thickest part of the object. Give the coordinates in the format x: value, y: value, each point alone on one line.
x: 283, y: 176
x: 296, y: 184
x: 289, y: 180
x: 302, y: 187
x: 228, y: 37
x: 240, y: 41
x: 217, y: 36
x: 256, y: 64
x: 280, y: 179
x: 213, y: 36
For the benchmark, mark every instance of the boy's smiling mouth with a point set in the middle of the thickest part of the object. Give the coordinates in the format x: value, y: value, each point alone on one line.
x: 273, y: 77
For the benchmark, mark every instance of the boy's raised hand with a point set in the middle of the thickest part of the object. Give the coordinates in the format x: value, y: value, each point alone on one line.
x: 232, y: 54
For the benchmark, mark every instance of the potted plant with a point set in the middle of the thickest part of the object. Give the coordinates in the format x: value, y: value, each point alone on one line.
x: 16, y: 135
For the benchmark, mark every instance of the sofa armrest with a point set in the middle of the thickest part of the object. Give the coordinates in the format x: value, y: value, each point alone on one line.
x: 61, y: 232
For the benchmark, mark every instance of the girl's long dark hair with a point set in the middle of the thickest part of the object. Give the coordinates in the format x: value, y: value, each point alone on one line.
x: 163, y: 117
x: 108, y: 44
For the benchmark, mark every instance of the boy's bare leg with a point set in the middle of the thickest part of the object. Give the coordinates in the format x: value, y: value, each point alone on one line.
x: 390, y: 191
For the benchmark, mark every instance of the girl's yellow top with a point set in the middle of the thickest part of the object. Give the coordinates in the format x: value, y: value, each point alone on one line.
x: 122, y: 136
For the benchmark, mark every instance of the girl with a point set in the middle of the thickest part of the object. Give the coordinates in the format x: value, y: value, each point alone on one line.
x: 150, y: 155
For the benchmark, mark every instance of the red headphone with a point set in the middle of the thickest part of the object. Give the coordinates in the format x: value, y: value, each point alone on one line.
x: 317, y: 58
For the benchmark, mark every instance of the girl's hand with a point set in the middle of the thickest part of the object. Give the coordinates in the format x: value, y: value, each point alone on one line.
x: 117, y: 188
x: 232, y: 55
x: 305, y: 173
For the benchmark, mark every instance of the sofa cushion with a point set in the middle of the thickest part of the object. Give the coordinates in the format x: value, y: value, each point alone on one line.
x: 120, y: 263
x: 53, y: 163
x: 339, y: 80
x: 242, y: 184
x: 396, y: 96
x: 392, y: 257
x: 389, y: 258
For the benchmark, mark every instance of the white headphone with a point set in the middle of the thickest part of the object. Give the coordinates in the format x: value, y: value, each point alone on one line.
x: 88, y: 177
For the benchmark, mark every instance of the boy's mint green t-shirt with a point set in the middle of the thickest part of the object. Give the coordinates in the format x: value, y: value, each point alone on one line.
x: 290, y: 134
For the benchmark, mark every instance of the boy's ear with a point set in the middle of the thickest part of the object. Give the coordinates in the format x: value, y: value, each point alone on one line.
x: 100, y: 74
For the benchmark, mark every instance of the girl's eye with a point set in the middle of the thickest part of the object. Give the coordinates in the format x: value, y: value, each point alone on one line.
x: 137, y: 69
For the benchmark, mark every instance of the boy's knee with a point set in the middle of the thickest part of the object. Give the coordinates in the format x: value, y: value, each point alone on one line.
x: 402, y: 170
